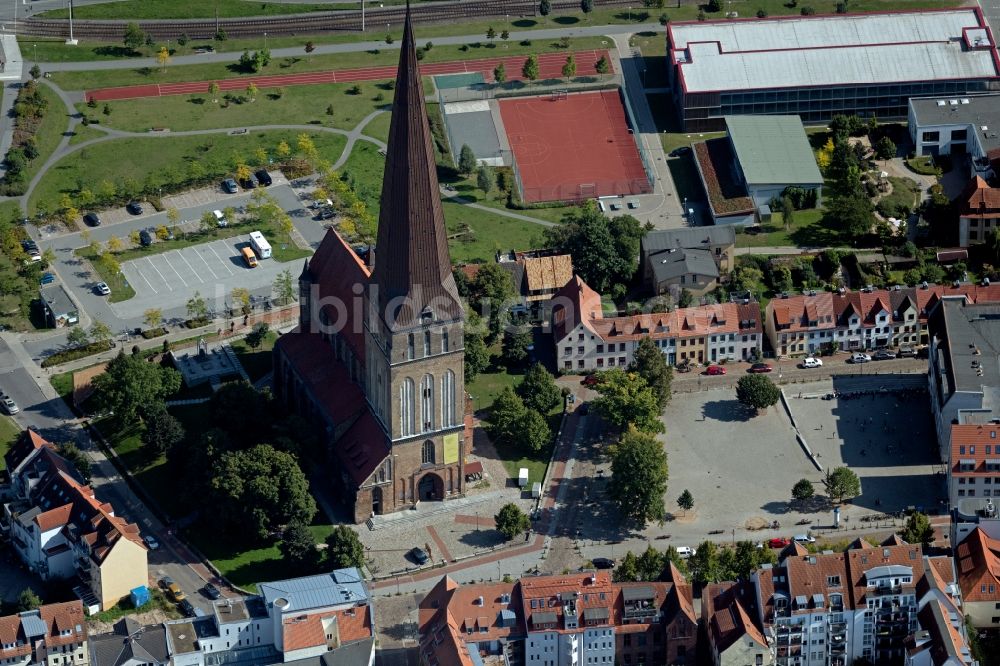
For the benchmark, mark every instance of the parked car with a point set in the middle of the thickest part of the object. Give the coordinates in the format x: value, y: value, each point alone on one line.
x: 325, y: 214
x: 778, y: 542
x: 858, y: 357
x: 29, y: 245
x: 418, y: 555
x: 683, y: 150
x: 91, y: 220
x: 211, y: 591
x: 186, y: 607
x: 175, y: 592
x: 811, y: 362
x: 760, y: 367
x: 685, y: 551
x: 102, y: 288
x: 603, y: 563
x: 166, y: 582
x: 151, y: 542
x: 229, y: 186
x: 884, y: 355
x: 220, y: 218
x: 907, y: 351
x: 804, y: 538
x: 249, y: 183
x: 47, y: 278
x: 591, y: 380
x: 715, y: 370
x: 263, y: 177
x: 633, y: 204
x: 134, y: 207
x: 684, y: 367
x: 145, y: 238
x: 10, y: 406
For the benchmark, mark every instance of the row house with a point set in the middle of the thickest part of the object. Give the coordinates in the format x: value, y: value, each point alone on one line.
x: 61, y: 530
x: 582, y: 618
x: 586, y: 340
x: 51, y: 635
x: 860, y: 320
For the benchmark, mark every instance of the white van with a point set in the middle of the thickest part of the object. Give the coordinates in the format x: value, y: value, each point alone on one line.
x: 260, y: 245
x: 220, y: 219
x: 685, y: 551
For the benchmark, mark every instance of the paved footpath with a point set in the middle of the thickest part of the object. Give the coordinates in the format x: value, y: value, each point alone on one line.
x: 549, y: 67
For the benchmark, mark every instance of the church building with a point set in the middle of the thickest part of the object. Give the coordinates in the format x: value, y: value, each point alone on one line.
x: 377, y: 360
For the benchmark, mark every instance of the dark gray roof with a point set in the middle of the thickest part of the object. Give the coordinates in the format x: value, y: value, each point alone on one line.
x: 57, y: 299
x: 28, y: 516
x: 185, y: 634
x: 596, y: 613
x: 976, y: 110
x: 972, y: 334
x: 32, y: 624
x: 671, y: 264
x: 350, y: 654
x: 147, y: 647
x: 692, y: 237
x: 544, y: 617
x: 634, y: 592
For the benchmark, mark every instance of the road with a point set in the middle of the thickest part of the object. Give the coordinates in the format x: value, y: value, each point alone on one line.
x: 991, y: 10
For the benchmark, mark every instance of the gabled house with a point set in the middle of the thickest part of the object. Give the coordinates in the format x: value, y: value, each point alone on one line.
x: 696, y: 259
x: 131, y: 644
x: 978, y: 212
x: 977, y: 559
x: 734, y: 638
x: 537, y: 276
x: 51, y: 635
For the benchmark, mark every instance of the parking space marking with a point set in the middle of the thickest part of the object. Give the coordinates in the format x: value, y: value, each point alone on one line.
x: 143, y: 276
x: 165, y: 282
x: 193, y: 271
x: 166, y: 258
x: 199, y: 255
x: 221, y: 260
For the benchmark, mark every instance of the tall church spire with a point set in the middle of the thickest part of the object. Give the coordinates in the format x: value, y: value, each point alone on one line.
x: 411, y: 255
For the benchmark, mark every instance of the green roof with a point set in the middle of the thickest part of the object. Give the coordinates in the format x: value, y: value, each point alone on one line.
x: 773, y: 150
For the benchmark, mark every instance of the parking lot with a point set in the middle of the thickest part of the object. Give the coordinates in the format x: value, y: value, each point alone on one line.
x: 213, y: 269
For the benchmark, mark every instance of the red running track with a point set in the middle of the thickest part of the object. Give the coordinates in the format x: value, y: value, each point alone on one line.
x: 572, y: 148
x: 549, y: 67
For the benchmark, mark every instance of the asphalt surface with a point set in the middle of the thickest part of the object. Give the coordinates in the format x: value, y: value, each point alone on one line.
x: 991, y: 10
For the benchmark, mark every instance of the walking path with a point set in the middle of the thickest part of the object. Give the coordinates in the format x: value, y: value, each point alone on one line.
x: 549, y: 67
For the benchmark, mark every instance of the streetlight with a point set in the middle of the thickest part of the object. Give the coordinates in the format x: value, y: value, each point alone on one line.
x: 265, y: 40
x: 629, y: 15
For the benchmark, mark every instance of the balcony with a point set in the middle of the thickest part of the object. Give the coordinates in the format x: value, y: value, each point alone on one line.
x: 838, y: 627
x: 788, y: 629
x: 838, y: 639
x: 795, y: 639
x: 885, y: 590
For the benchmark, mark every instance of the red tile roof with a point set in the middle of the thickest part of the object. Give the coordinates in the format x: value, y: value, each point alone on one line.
x: 340, y: 278
x: 325, y: 377
x: 362, y: 448
x: 67, y: 616
x: 727, y: 615
x: 54, y: 518
x: 574, y: 304
x: 977, y: 559
x: 979, y: 199
x: 978, y: 443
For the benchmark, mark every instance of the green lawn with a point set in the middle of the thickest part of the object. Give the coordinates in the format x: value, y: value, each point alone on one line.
x: 85, y: 133
x: 9, y: 432
x: 807, y: 230
x: 468, y: 189
x: 290, y: 65
x: 50, y: 131
x: 212, y: 155
x: 63, y: 385
x: 257, y: 362
x: 378, y: 127
x: 137, y: 10
x: 151, y: 473
x: 297, y: 105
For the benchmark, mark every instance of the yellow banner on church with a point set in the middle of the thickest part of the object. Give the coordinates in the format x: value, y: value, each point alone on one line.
x: 451, y: 448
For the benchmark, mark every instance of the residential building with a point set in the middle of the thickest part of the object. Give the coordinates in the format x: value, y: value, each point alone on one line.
x: 955, y: 124
x: 942, y: 638
x: 979, y: 209
x: 964, y: 354
x: 51, y: 635
x: 377, y: 360
x: 58, y: 305
x: 586, y: 340
x: 833, y: 608
x: 693, y: 258
x: 974, y: 465
x: 131, y: 644
x: 977, y: 558
x: 734, y: 637
x: 581, y: 618
x: 867, y: 64
x: 537, y: 276
x: 60, y: 529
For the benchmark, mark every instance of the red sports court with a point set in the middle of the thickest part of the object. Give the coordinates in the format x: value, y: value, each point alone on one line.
x: 573, y: 147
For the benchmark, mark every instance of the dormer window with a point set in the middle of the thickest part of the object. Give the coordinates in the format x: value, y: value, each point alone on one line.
x: 426, y: 317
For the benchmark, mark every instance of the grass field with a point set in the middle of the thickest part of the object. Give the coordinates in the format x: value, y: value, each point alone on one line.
x: 296, y: 105
x: 85, y: 133
x: 137, y: 10
x: 9, y: 431
x: 114, y: 160
x: 257, y: 362
x: 807, y: 230
x: 292, y: 65
x: 50, y: 131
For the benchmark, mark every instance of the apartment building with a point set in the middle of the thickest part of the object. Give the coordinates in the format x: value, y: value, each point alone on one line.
x: 581, y: 618
x: 810, y: 323
x: 977, y: 559
x: 51, y: 635
x: 60, y: 529
x: 978, y: 212
x: 974, y: 464
x: 586, y: 340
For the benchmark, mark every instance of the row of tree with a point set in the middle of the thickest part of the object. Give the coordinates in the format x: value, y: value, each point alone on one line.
x: 518, y: 417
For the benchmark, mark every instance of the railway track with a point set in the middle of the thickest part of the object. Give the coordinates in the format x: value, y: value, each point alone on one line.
x: 308, y: 24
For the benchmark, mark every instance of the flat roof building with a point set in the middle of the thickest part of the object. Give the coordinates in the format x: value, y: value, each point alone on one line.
x: 60, y: 310
x: 958, y: 125
x: 820, y: 66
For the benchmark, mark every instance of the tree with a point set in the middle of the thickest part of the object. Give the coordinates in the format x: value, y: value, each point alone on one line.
x: 539, y: 390
x: 466, y: 160
x: 310, y: 47
x: 491, y: 34
x: 685, y: 501
x: 163, y: 432
x: 651, y: 364
x: 625, y: 399
x: 587, y: 6
x: 134, y: 238
x: 514, y: 349
x: 638, y: 477
x: 77, y: 337
x: 500, y: 74
x: 284, y: 287
x: 298, y: 547
x: 134, y: 36
x: 256, y: 337
x: 72, y: 453
x: 532, y: 432
x: 505, y: 417
x: 650, y: 564
x: 99, y: 331
x: 704, y: 564
x: 241, y: 299
x: 251, y: 92
x: 544, y: 7
x: 627, y: 570
x: 569, y: 67
x: 35, y: 71
x: 477, y: 354
x: 505, y: 35
x: 162, y: 58
x: 885, y: 149
x: 511, y: 521
x: 197, y: 308
x: 344, y: 549
x: 685, y: 299
x: 28, y: 600
x: 530, y: 68
x: 605, y: 251
x: 153, y: 317
x: 130, y: 385
x: 787, y: 212
x: 918, y: 529
x: 841, y: 483
x: 803, y: 490
x: 491, y: 291
x: 213, y: 90
x: 602, y: 66
x: 484, y: 179
x: 757, y: 391
x: 260, y: 488
x: 283, y: 149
